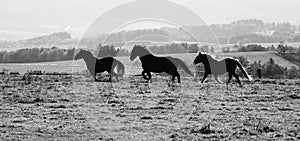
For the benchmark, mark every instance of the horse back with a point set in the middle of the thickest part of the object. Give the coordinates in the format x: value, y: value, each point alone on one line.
x: 104, y: 64
x: 157, y: 64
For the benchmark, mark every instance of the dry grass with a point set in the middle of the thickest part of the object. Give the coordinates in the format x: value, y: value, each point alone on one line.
x: 76, y: 108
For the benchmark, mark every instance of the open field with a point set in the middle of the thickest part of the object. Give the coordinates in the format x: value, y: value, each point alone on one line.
x: 133, y: 67
x: 76, y: 108
x: 73, y: 107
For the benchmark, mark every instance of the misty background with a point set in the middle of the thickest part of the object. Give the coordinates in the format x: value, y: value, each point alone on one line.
x: 31, y: 18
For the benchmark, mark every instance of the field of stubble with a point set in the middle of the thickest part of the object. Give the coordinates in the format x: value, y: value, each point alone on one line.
x: 76, y: 108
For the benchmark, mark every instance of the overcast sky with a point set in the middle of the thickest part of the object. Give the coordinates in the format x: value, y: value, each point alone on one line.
x: 46, y: 16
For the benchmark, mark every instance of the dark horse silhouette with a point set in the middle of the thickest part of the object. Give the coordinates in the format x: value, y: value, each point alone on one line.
x: 218, y: 67
x: 98, y: 65
x: 151, y: 63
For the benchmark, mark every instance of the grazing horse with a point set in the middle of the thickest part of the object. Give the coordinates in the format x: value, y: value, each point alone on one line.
x: 151, y: 63
x: 98, y: 65
x: 218, y: 67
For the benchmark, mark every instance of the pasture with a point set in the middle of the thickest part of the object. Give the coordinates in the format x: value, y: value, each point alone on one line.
x: 76, y: 108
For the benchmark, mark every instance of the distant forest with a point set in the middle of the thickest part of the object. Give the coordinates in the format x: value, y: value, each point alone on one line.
x: 30, y: 55
x: 56, y: 54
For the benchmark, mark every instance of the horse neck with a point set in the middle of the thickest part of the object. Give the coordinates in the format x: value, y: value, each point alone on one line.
x: 90, y: 60
x: 205, y: 63
x: 145, y: 54
x: 208, y: 60
x: 212, y: 59
x: 146, y: 58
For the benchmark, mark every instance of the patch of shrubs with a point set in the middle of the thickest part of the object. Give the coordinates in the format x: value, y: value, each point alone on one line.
x: 270, y: 69
x: 251, y: 47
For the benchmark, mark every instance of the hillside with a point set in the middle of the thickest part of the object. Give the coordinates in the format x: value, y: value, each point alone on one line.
x: 260, y: 56
x: 58, y: 39
x: 242, y: 31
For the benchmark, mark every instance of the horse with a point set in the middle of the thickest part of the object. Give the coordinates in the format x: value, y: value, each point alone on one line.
x: 99, y: 65
x: 218, y: 67
x: 151, y: 63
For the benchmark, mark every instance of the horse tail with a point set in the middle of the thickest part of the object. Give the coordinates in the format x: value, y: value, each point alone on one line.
x: 243, y: 70
x: 180, y: 63
x: 121, y: 67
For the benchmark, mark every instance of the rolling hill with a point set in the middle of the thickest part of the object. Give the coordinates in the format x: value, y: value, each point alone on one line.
x: 133, y: 67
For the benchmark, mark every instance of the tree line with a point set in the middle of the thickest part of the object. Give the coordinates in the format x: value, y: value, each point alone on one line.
x: 180, y: 48
x: 281, y: 49
x: 110, y: 50
x: 29, y: 55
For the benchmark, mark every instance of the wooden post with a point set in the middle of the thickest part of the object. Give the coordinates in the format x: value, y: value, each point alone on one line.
x: 259, y: 73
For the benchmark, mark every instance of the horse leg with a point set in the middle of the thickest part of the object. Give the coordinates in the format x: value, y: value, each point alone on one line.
x: 237, y: 78
x: 149, y: 76
x: 94, y: 76
x: 173, y: 78
x: 178, y: 77
x: 112, y: 72
x: 109, y: 79
x: 204, y: 77
x: 230, y: 76
x: 144, y: 76
x: 115, y: 75
x: 217, y: 79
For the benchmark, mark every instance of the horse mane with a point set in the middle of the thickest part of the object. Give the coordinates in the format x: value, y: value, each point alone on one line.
x: 144, y: 49
x: 87, y: 52
x: 210, y: 56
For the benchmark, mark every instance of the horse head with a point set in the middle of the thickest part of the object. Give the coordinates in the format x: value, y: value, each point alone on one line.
x: 138, y: 51
x: 200, y: 58
x: 82, y: 54
x: 79, y: 55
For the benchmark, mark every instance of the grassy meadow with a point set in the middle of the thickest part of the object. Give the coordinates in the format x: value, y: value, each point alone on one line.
x: 74, y: 107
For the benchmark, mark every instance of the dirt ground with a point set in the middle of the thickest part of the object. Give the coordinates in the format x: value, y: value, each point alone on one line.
x: 76, y: 108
